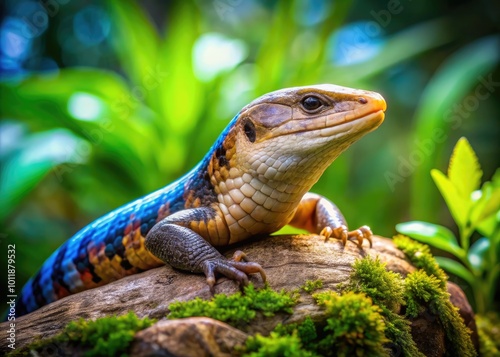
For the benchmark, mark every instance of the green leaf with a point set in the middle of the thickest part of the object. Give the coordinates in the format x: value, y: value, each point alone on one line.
x: 491, y: 226
x: 464, y: 170
x: 23, y: 170
x: 478, y: 254
x: 457, y: 204
x: 492, y: 205
x: 135, y: 40
x: 455, y: 268
x: 437, y: 236
x: 496, y: 178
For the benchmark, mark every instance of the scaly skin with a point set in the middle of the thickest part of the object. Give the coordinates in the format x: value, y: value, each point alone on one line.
x: 254, y: 180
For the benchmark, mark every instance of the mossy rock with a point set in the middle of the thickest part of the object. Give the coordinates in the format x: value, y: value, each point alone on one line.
x: 261, y: 315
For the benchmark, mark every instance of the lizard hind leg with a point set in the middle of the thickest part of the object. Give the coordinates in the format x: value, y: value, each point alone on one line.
x: 184, y: 249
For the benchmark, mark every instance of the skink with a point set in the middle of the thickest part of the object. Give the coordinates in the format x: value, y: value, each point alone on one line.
x: 253, y: 181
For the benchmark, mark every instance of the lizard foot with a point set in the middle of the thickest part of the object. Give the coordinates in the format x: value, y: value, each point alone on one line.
x: 344, y: 234
x: 233, y: 269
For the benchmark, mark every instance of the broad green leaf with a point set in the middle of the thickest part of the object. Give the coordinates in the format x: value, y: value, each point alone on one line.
x: 25, y: 168
x: 118, y: 131
x: 496, y: 178
x: 464, y: 170
x: 478, y: 253
x: 455, y: 268
x: 136, y: 41
x: 490, y: 227
x: 179, y: 96
x: 435, y: 235
x: 492, y: 205
x: 47, y: 97
x: 459, y: 206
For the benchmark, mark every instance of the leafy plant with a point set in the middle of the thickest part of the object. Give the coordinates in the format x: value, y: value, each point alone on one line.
x: 473, y: 208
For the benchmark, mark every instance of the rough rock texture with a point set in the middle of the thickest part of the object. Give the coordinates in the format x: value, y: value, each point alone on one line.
x: 195, y: 336
x: 288, y: 260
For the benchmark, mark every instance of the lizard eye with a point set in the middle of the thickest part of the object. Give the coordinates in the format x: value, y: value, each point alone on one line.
x: 311, y: 103
x: 250, y: 131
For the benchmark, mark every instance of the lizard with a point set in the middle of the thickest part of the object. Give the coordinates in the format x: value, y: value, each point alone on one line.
x: 254, y: 180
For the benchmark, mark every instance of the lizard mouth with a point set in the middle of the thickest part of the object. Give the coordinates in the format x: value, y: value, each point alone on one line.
x: 367, y: 122
x: 363, y: 118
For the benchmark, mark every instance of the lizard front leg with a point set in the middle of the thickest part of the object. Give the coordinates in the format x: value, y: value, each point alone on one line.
x: 316, y: 214
x: 179, y: 246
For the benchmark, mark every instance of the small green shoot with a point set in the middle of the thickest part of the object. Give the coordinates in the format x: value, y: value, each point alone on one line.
x: 473, y: 208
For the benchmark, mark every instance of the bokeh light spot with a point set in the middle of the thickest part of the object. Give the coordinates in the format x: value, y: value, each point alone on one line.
x: 214, y: 53
x: 355, y: 43
x: 85, y: 106
x: 91, y: 25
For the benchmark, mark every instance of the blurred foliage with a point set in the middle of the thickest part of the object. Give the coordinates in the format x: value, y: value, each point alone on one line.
x: 102, y: 102
x: 473, y: 208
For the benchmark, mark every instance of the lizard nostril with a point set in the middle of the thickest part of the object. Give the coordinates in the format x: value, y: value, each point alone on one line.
x: 362, y: 100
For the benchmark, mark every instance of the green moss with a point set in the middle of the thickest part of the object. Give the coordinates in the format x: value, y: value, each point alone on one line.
x: 276, y: 345
x: 312, y: 285
x: 371, y: 278
x: 236, y: 308
x: 306, y: 331
x: 421, y: 257
x: 488, y: 328
x: 107, y: 336
x: 386, y: 289
x: 423, y: 290
x: 355, y: 326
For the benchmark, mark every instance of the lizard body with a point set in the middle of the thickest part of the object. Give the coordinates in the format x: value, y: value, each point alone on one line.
x: 254, y: 180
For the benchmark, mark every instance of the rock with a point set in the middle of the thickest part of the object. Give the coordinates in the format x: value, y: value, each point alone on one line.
x: 288, y: 261
x: 428, y: 335
x: 195, y: 336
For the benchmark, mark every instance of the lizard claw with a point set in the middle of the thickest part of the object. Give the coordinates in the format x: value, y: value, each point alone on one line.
x: 233, y: 269
x: 344, y: 235
x: 239, y: 256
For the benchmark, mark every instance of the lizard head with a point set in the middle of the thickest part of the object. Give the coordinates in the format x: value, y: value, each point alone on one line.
x: 294, y: 134
x: 302, y: 123
x: 314, y: 116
